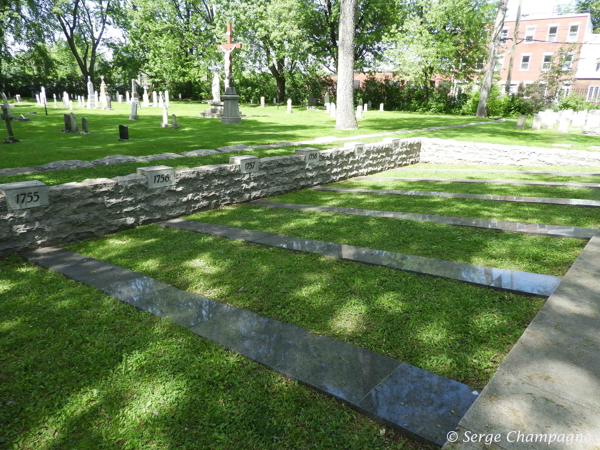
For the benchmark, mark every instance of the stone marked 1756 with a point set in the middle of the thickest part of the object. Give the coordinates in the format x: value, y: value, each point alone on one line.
x: 158, y: 176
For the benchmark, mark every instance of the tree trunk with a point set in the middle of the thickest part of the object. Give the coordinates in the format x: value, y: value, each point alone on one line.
x: 513, y: 51
x: 346, y: 120
x: 482, y: 110
x: 280, y: 89
x: 278, y: 71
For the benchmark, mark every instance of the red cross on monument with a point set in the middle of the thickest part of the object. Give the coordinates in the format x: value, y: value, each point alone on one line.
x: 228, y: 50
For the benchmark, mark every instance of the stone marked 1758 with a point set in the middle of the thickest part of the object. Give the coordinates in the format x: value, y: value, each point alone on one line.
x: 311, y: 155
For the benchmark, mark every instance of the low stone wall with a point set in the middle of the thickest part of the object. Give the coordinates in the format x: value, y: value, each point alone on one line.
x: 78, y: 211
x: 446, y: 151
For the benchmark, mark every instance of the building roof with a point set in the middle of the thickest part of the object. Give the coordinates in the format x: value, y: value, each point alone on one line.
x: 528, y: 17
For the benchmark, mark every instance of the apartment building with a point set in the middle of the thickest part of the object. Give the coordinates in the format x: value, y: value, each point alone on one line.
x: 540, y: 37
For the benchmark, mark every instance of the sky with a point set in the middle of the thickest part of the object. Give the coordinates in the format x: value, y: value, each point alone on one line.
x: 533, y: 6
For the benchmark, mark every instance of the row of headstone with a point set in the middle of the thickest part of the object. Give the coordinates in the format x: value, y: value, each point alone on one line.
x: 563, y: 121
x: 70, y: 121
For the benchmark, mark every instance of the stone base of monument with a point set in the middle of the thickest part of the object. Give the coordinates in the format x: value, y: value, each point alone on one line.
x: 231, y: 111
x: 215, y: 111
x: 134, y: 117
x: 165, y: 125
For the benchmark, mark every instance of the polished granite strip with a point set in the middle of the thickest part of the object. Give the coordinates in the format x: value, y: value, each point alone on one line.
x: 526, y: 172
x: 467, y: 180
x: 504, y: 279
x: 549, y: 382
x: 413, y: 401
x: 502, y: 198
x: 515, y: 227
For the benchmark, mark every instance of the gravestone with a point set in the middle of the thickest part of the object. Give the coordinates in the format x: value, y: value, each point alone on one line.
x: 43, y: 96
x: 165, y: 123
x: 103, y: 91
x: 37, y: 100
x: 108, y: 103
x: 274, y: 101
x: 154, y: 100
x: 360, y: 102
x: 179, y: 97
x: 326, y: 100
x: 216, y: 88
x: 231, y: 107
x: 216, y: 105
x: 369, y: 105
x: 127, y: 97
x: 365, y: 107
x: 7, y: 106
x: 521, y: 122
x: 67, y: 122
x: 381, y: 107
x: 18, y: 98
x: 54, y: 98
x: 161, y: 102
x: 312, y: 103
x: 262, y: 102
x: 91, y: 94
x: 70, y: 105
x: 359, y: 112
x: 167, y: 98
x: 97, y: 100
x: 327, y: 107
x: 146, y: 100
x: 247, y: 163
x: 7, y: 117
x: 332, y: 110
x: 119, y: 97
x: 578, y: 119
x: 25, y: 194
x: 563, y: 126
x: 84, y: 126
x: 73, y: 120
x: 537, y: 122
x: 289, y: 106
x: 123, y: 133
x: 134, y: 95
x: 133, y: 115
x: 158, y: 176
x: 174, y: 122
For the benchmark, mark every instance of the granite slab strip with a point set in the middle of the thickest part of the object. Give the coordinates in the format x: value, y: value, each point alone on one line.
x: 526, y: 172
x: 550, y: 381
x: 514, y: 227
x: 466, y: 180
x: 501, y: 198
x: 503, y: 279
x: 411, y: 400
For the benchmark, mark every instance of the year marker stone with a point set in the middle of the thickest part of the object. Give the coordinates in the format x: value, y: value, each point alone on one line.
x: 25, y: 194
x: 358, y: 147
x: 158, y: 176
x: 247, y: 163
x: 395, y: 142
x: 311, y: 155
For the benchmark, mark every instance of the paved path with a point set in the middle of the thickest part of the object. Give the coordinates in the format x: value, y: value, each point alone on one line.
x: 515, y: 227
x: 502, y: 198
x: 549, y: 384
x: 414, y: 401
x: 504, y: 279
x: 467, y: 180
x: 528, y: 172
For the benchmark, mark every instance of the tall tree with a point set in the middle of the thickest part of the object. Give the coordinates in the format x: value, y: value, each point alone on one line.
x: 482, y: 110
x: 513, y: 50
x: 346, y: 120
x: 592, y: 7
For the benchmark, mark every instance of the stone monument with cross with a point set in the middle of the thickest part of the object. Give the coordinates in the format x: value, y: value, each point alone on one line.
x: 231, y: 105
x: 7, y: 117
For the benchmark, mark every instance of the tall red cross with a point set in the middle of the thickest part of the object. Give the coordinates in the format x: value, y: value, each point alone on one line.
x: 229, y: 46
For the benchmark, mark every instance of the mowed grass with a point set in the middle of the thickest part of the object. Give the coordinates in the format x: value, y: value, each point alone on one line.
x: 454, y: 329
x: 81, y: 370
x: 379, y: 183
x: 492, y: 248
x: 479, y: 209
x: 42, y: 140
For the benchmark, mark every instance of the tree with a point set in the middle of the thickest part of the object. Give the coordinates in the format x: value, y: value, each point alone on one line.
x: 592, y: 7
x: 482, y: 111
x: 513, y: 50
x: 373, y: 18
x: 440, y: 37
x: 346, y: 120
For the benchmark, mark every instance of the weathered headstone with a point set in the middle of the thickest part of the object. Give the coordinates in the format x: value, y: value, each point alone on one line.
x: 165, y: 123
x: 91, y: 94
x: 84, y: 126
x: 119, y: 97
x: 326, y: 100
x: 25, y: 194
x: 54, y: 98
x: 521, y: 122
x: 216, y: 87
x: 123, y: 133
x: 395, y: 142
x: 381, y: 107
x: 37, y: 100
x: 369, y: 105
x: 563, y: 126
x: 7, y: 117
x: 108, y: 103
x: 134, y: 95
x: 247, y: 163
x: 145, y: 97
x: 332, y: 110
x: 73, y: 120
x: 127, y: 97
x: 262, y: 102
x: 274, y: 100
x: 179, y: 96
x: 18, y: 98
x: 70, y: 105
x: 97, y: 100
x: 161, y: 102
x: 174, y: 122
x: 103, y: 95
x: 133, y: 115
x: 359, y: 112
x: 154, y: 100
x: 289, y: 106
x: 67, y: 122
x: 537, y: 122
x: 312, y: 103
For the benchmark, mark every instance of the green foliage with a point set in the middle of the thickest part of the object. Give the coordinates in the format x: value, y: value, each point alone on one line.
x: 572, y: 101
x: 592, y: 7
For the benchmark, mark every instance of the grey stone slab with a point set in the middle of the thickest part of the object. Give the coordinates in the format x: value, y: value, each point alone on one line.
x: 503, y: 198
x: 515, y: 227
x: 465, y: 180
x: 135, y: 289
x: 525, y: 172
x: 233, y: 148
x: 420, y: 401
x: 200, y: 153
x: 510, y: 280
x: 216, y: 230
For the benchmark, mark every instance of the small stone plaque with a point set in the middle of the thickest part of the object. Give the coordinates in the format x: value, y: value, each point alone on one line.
x: 358, y: 147
x: 248, y: 164
x: 394, y: 141
x: 311, y: 155
x: 158, y: 176
x: 25, y: 194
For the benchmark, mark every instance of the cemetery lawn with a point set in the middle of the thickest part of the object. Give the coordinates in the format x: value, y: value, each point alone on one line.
x: 492, y: 248
x: 455, y: 207
x: 82, y: 370
x: 42, y: 140
x: 453, y: 329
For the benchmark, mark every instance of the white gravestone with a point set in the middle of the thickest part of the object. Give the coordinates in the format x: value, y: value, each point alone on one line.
x: 91, y: 94
x: 165, y: 123
x: 563, y: 126
x: 311, y: 155
x: 521, y: 122
x: 154, y: 100
x: 262, y: 102
x: 247, y: 163
x: 25, y: 194
x: 366, y: 108
x: 133, y: 115
x: 158, y: 176
x: 37, y: 99
x: 289, y: 106
x: 332, y: 110
x: 127, y: 97
x: 54, y: 98
x: 359, y: 112
x: 161, y: 102
x: 358, y: 147
x: 216, y: 88
x: 537, y: 122
x: 145, y: 97
x: 381, y: 107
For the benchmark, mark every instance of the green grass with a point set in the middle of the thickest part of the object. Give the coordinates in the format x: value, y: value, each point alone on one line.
x: 450, y: 328
x: 81, y: 370
x: 475, y: 167
x: 379, y: 183
x: 42, y: 140
x: 492, y: 248
x: 480, y: 209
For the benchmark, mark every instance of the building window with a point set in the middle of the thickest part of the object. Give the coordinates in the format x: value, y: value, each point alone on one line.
x: 547, y: 62
x: 593, y: 93
x: 567, y: 62
x: 499, y: 63
x: 573, y: 33
x: 552, y: 33
x: 479, y: 64
x: 514, y: 87
x: 529, y: 35
x: 525, y: 62
x: 356, y: 84
x: 504, y: 36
